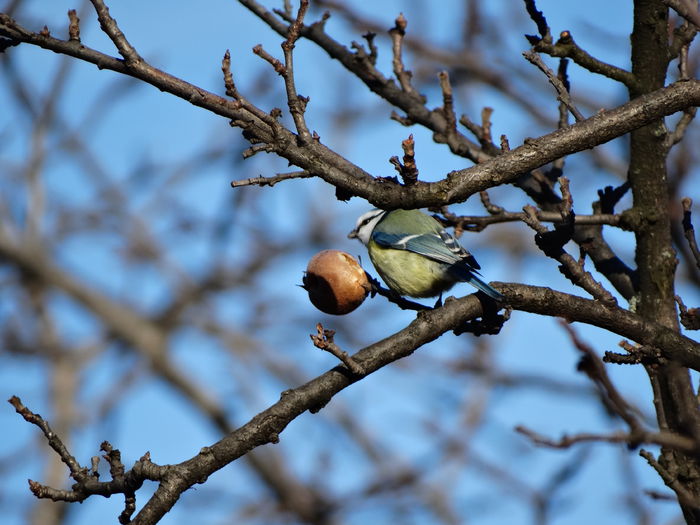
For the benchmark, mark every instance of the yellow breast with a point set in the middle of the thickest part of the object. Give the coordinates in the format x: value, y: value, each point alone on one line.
x: 408, y: 273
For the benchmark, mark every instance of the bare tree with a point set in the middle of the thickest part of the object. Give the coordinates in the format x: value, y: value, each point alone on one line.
x: 204, y: 276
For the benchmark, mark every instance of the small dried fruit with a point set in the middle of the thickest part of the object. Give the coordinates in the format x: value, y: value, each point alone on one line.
x: 336, y: 282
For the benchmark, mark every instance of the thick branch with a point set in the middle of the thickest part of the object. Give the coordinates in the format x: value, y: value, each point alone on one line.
x: 544, y: 301
x: 338, y: 171
x: 428, y: 326
x: 674, y: 393
x: 266, y: 426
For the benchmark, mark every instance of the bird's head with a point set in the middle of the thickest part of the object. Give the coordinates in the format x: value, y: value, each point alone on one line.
x: 365, y: 225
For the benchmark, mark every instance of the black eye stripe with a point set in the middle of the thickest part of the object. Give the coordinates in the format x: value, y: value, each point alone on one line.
x: 368, y: 220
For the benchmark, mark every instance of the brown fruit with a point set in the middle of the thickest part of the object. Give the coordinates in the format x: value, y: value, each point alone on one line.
x: 336, y: 282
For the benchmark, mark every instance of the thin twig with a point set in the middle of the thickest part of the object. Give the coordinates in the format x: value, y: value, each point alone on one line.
x: 563, y: 109
x: 482, y: 132
x: 271, y: 181
x: 229, y: 84
x: 274, y: 62
x: 636, y: 354
x: 323, y: 339
x: 676, y: 136
x: 684, y: 497
x: 407, y: 169
x: 594, y: 368
x: 690, y: 317
x: 689, y: 230
x: 77, y: 472
x: 403, y: 75
x: 552, y: 244
x: 73, y: 26
x: 448, y: 109
x: 562, y: 92
x: 493, y: 209
x: 685, y: 8
x: 498, y: 215
x: 566, y: 47
x: 240, y: 101
x: 652, y: 438
x: 486, y: 113
x: 362, y: 54
x: 297, y: 104
x: 540, y: 20
x: 110, y: 27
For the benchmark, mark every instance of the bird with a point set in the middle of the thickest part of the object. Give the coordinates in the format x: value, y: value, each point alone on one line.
x: 414, y: 254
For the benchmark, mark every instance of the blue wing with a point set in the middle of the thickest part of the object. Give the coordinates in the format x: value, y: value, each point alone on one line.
x: 439, y: 246
x: 443, y: 247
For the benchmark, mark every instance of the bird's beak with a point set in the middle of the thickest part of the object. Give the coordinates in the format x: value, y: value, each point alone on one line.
x: 353, y: 234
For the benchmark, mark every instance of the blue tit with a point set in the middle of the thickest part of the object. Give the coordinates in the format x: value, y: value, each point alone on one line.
x: 414, y: 254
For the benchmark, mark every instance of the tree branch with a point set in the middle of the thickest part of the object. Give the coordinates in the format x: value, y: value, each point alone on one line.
x: 428, y: 326
x: 338, y: 171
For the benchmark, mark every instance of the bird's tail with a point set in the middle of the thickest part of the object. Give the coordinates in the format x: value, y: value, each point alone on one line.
x: 484, y: 287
